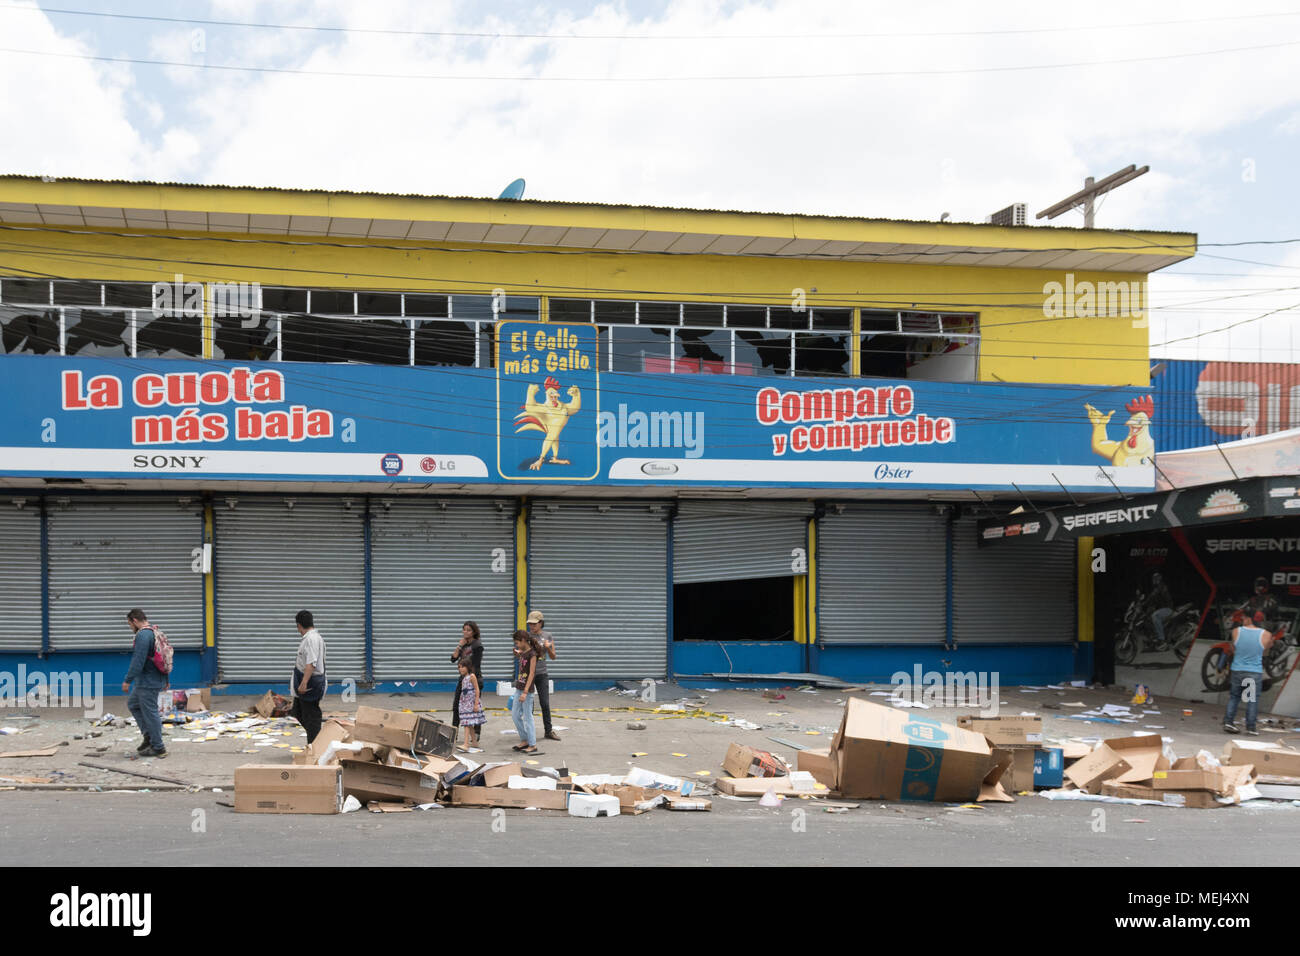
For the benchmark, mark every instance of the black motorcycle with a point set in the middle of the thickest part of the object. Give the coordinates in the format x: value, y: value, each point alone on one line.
x: 1137, y: 634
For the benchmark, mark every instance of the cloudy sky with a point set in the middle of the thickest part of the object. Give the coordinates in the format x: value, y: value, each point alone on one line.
x: 868, y: 109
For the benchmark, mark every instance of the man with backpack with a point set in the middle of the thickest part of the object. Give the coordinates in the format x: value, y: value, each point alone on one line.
x: 151, y: 662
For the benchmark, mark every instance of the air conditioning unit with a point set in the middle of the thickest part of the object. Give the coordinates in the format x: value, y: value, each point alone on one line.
x: 1013, y: 215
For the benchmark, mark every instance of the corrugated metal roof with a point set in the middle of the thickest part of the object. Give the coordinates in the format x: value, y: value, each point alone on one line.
x: 553, y: 203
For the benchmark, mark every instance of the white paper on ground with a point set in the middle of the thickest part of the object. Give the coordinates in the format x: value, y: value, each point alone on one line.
x: 428, y: 806
x: 1098, y: 798
x: 351, y: 803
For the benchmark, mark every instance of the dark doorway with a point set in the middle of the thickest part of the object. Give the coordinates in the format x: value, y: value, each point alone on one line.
x: 761, y: 609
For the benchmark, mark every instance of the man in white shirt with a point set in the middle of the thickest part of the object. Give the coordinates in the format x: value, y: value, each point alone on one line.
x: 309, y: 676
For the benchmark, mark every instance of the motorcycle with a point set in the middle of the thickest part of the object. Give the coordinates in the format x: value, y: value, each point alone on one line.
x: 1138, y: 634
x: 1216, y: 666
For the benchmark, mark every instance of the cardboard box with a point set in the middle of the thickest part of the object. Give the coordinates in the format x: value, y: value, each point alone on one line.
x: 433, y: 737
x: 392, y: 728
x: 820, y: 764
x: 757, y: 786
x: 205, y: 697
x: 1186, y: 774
x: 1018, y: 776
x: 500, y: 776
x: 676, y: 801
x: 742, y: 761
x: 462, y: 796
x: 266, y: 706
x: 397, y: 758
x: 1191, y: 799
x: 991, y: 788
x: 330, y: 731
x: 1274, y: 761
x: 376, y: 781
x: 277, y: 788
x: 1126, y: 759
x: 884, y: 753
x: 1006, y: 731
x: 194, y: 703
x: 633, y: 800
x: 1049, y: 768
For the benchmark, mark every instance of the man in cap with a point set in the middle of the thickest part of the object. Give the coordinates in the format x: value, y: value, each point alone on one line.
x: 543, y: 685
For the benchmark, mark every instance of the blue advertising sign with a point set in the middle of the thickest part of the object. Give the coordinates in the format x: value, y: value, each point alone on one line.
x: 546, y: 415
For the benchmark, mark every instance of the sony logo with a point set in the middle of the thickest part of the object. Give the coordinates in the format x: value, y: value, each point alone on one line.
x: 186, y: 462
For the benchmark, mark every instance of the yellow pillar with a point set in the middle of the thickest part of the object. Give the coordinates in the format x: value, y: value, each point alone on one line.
x: 855, y: 345
x: 811, y: 585
x: 1086, y: 610
x: 521, y: 567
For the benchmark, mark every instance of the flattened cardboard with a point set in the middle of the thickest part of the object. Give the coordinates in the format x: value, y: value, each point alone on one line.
x: 900, y: 755
x: 819, y: 763
x: 1191, y: 799
x: 633, y: 800
x: 462, y: 796
x: 1143, y: 755
x: 278, y: 788
x: 392, y: 728
x: 991, y: 789
x: 757, y: 786
x: 676, y: 801
x: 1006, y: 731
x: 375, y: 781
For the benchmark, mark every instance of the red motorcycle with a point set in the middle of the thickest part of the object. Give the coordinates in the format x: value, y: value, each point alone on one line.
x: 1217, y: 663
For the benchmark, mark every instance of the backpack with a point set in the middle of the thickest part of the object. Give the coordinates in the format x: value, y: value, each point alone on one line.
x: 162, y: 652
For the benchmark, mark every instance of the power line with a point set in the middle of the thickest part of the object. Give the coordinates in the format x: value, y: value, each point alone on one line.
x: 778, y: 77
x: 488, y: 35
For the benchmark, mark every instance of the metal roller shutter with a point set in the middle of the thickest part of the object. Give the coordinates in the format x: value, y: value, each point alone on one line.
x: 271, y: 562
x: 1018, y: 592
x: 882, y: 575
x: 434, y: 566
x: 598, y: 571
x: 734, y: 541
x: 108, y: 555
x: 20, y: 575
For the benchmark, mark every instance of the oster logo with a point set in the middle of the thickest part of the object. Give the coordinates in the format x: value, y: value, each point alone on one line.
x: 391, y: 464
x: 1242, y: 400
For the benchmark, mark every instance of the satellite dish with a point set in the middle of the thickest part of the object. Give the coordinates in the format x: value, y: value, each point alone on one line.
x: 514, y: 191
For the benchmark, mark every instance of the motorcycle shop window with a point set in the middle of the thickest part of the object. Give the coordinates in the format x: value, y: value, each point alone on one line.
x: 824, y: 351
x: 96, y: 333
x: 334, y: 338
x: 166, y: 336
x: 252, y: 339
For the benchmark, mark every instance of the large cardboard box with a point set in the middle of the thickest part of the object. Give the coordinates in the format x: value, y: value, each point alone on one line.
x: 1006, y: 731
x: 819, y: 763
x: 895, y: 755
x: 503, y: 797
x: 742, y: 761
x: 278, y: 788
x: 392, y: 728
x: 1274, y: 761
x: 633, y: 800
x: 376, y: 781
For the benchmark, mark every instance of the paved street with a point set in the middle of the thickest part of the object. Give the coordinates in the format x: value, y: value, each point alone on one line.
x: 157, y: 829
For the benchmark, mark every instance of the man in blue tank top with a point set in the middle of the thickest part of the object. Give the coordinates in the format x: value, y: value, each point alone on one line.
x: 1247, y: 675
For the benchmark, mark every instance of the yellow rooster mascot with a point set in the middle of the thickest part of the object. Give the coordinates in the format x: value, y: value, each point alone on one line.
x: 548, y: 417
x: 1138, y: 447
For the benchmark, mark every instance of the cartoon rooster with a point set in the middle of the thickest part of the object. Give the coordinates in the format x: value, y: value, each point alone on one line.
x: 548, y: 417
x: 1139, y: 445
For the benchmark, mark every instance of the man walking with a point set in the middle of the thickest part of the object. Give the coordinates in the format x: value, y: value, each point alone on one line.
x: 149, y: 683
x: 308, y: 676
x: 1246, y: 679
x: 535, y: 627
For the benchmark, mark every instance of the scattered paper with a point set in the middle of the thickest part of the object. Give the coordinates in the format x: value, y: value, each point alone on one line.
x: 351, y: 803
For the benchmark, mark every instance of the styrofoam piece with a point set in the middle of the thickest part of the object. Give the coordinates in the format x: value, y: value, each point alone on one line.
x: 531, y: 783
x: 505, y: 688
x: 593, y: 805
x: 802, y: 780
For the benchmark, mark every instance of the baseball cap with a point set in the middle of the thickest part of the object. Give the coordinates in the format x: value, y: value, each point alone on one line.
x: 535, y: 617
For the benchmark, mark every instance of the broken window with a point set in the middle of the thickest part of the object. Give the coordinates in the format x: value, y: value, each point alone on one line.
x: 28, y: 331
